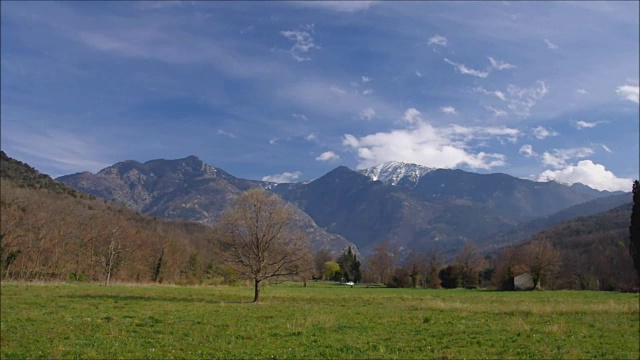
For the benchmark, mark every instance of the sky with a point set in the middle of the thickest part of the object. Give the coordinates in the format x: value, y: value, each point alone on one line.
x: 288, y: 91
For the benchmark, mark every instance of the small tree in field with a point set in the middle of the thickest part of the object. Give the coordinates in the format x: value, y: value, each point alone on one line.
x: 258, y: 240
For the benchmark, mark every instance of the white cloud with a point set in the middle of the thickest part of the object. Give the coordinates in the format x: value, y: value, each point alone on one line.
x: 411, y: 115
x: 629, y: 92
x: 365, y: 79
x: 418, y: 74
x: 606, y: 148
x: 584, y: 124
x: 521, y: 100
x: 303, y: 42
x: 590, y: 174
x: 541, y: 132
x: 311, y: 137
x: 422, y: 143
x: 558, y: 157
x: 449, y: 110
x: 367, y: 113
x: 496, y: 112
x: 328, y: 156
x: 462, y: 69
x: 527, y: 150
x: 226, y: 133
x: 273, y: 141
x: 500, y: 65
x: 437, y: 40
x: 581, y: 91
x: 367, y: 92
x: 285, y: 177
x: 550, y: 45
x: 497, y: 93
x: 300, y: 116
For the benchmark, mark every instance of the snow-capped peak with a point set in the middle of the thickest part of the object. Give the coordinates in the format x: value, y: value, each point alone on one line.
x: 545, y: 178
x: 392, y: 172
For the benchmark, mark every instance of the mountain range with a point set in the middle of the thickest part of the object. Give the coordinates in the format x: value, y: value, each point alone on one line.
x: 408, y: 205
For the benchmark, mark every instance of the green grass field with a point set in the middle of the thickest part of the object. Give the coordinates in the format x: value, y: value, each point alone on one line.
x: 320, y: 321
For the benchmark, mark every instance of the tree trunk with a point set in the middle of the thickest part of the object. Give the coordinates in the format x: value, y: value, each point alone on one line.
x: 256, y: 297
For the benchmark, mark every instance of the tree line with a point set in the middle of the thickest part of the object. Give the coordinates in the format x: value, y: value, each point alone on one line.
x: 47, y: 234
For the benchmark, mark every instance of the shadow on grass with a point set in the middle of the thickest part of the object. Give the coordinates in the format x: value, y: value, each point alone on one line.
x: 126, y: 298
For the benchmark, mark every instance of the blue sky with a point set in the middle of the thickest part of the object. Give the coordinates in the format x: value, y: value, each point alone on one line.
x: 287, y: 91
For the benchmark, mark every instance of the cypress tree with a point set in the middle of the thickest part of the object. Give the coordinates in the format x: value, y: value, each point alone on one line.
x: 634, y: 229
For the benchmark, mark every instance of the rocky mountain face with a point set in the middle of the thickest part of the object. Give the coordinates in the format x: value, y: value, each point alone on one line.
x: 409, y: 205
x: 185, y: 189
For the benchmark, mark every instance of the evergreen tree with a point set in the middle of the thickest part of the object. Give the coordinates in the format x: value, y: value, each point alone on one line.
x: 350, y: 266
x: 634, y: 229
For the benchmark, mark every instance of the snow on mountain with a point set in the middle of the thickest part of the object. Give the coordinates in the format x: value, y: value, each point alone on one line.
x: 392, y: 172
x: 545, y: 178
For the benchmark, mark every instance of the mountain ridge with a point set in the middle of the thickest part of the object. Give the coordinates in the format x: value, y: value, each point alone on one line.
x: 426, y: 207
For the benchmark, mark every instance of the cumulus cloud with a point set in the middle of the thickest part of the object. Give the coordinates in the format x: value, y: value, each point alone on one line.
x: 463, y: 69
x: 422, y: 143
x: 367, y: 114
x: 558, y: 158
x: 311, y: 137
x: 527, y: 150
x: 449, y: 110
x: 328, y: 156
x: 629, y: 92
x: 606, y: 148
x: 437, y: 40
x: 365, y: 79
x: 303, y: 42
x: 590, y: 174
x: 541, y: 132
x: 285, y: 177
x: 500, y: 65
x: 550, y: 45
x: 411, y: 115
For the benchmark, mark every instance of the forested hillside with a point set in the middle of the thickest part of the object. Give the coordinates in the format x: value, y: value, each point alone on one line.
x: 49, y: 231
x: 594, y: 251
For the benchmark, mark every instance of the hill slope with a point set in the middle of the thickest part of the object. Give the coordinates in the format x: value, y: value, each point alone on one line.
x: 185, y: 189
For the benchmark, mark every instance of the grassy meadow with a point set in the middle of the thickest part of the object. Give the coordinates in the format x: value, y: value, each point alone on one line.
x: 319, y: 321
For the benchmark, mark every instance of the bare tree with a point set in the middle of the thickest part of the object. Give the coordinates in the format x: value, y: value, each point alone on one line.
x: 381, y: 263
x: 111, y: 257
x: 258, y: 241
x: 542, y: 259
x: 321, y: 257
x: 472, y: 262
